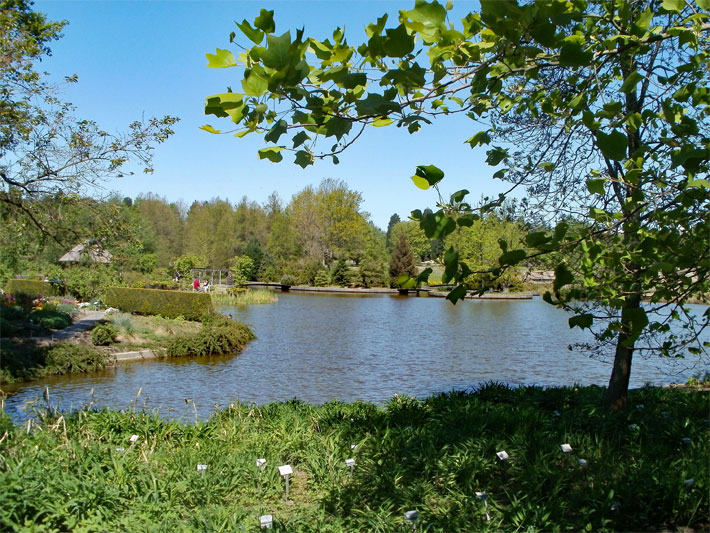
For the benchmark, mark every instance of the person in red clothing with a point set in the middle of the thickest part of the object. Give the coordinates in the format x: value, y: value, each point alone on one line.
x: 196, y: 284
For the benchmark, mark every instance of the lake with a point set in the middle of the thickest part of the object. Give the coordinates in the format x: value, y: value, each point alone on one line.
x: 351, y: 347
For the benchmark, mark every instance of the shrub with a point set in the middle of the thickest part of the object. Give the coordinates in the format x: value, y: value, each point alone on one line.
x: 12, y: 312
x: 171, y: 304
x: 103, y: 335
x: 50, y: 319
x: 68, y: 309
x: 65, y: 358
x: 30, y: 287
x: 7, y: 328
x: 219, y: 335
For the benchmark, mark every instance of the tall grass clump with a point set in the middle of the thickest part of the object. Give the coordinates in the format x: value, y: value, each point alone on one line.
x: 646, y: 468
x: 244, y: 297
x: 219, y: 335
x: 123, y: 322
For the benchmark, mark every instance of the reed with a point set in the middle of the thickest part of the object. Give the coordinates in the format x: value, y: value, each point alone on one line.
x: 244, y: 297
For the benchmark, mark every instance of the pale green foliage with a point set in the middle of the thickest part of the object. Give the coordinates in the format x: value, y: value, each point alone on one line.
x: 187, y: 262
x: 242, y: 269
x: 418, y: 241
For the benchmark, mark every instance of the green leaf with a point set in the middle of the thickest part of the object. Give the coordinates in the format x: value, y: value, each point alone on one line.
x: 495, y: 155
x: 637, y: 321
x: 428, y: 19
x: 303, y: 158
x: 451, y: 262
x: 265, y: 21
x: 643, y: 22
x: 430, y: 173
x: 277, y: 55
x: 254, y: 35
x: 673, y: 5
x: 562, y: 277
x: 255, y: 82
x: 376, y: 104
x: 300, y: 138
x: 595, y: 186
x: 456, y: 294
x: 276, y: 131
x: 613, y: 146
x: 398, y: 42
x: 512, y: 257
x: 272, y: 153
x: 420, y: 182
x: 209, y: 128
x: 405, y: 281
x: 382, y: 122
x: 630, y: 82
x: 537, y: 238
x: 458, y: 196
x: 583, y: 321
x: 574, y: 55
x: 221, y: 59
x: 479, y: 139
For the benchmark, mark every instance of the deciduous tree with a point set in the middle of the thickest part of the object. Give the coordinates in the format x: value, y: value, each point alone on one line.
x: 597, y: 109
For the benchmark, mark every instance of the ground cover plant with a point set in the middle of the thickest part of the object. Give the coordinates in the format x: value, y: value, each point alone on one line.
x: 646, y: 468
x: 219, y: 335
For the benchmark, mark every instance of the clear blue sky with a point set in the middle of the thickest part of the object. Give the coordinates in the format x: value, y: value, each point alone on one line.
x: 147, y: 58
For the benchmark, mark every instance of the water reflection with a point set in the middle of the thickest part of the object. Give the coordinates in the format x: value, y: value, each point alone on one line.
x: 322, y: 347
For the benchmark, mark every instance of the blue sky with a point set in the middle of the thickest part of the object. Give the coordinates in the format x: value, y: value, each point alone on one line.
x: 147, y: 58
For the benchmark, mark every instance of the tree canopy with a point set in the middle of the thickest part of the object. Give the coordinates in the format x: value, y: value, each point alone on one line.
x: 597, y: 109
x: 45, y: 152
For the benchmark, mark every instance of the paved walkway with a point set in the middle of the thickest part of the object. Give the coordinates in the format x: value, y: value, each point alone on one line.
x: 86, y: 321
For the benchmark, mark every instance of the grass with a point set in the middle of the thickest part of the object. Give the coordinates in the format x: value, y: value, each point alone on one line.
x: 138, y: 332
x: 82, y: 472
x: 245, y: 297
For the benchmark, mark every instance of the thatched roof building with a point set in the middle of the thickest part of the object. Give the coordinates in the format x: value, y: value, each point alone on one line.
x: 86, y: 252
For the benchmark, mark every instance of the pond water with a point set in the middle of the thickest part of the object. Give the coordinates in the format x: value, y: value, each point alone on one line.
x: 323, y: 347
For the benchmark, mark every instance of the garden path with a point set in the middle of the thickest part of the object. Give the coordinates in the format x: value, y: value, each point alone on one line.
x: 86, y: 321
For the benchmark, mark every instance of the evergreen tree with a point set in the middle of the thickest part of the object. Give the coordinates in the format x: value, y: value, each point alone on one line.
x: 338, y: 273
x: 253, y: 250
x: 394, y: 220
x: 402, y: 261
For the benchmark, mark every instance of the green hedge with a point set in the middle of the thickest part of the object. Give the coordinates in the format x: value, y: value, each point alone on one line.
x: 30, y: 287
x: 170, y: 304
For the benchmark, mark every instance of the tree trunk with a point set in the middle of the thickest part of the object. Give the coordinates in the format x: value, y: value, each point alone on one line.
x: 620, y: 374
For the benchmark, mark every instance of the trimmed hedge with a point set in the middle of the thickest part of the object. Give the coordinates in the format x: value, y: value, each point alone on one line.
x: 170, y: 304
x: 30, y: 287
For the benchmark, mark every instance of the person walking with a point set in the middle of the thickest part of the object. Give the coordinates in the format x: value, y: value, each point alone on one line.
x: 196, y: 284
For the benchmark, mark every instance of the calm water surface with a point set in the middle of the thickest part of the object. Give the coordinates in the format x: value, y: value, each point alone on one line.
x: 323, y: 347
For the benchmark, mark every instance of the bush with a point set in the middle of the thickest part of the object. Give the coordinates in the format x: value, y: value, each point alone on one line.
x: 50, y: 319
x: 12, y: 312
x: 65, y: 358
x: 171, y: 304
x: 68, y: 309
x: 30, y: 287
x: 103, y: 335
x: 219, y: 335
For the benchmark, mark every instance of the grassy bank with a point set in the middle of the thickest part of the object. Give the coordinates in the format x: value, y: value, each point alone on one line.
x: 84, y: 472
x: 25, y: 359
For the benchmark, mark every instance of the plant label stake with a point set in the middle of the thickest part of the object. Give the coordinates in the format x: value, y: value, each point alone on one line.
x: 260, y: 464
x: 265, y: 521
x: 484, y: 497
x: 133, y: 438
x: 566, y: 448
x: 351, y: 464
x: 201, y: 468
x: 286, y: 472
x: 503, y: 455
x: 582, y: 462
x: 412, y: 517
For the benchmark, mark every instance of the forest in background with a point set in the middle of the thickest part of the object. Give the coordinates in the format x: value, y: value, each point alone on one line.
x: 320, y: 237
